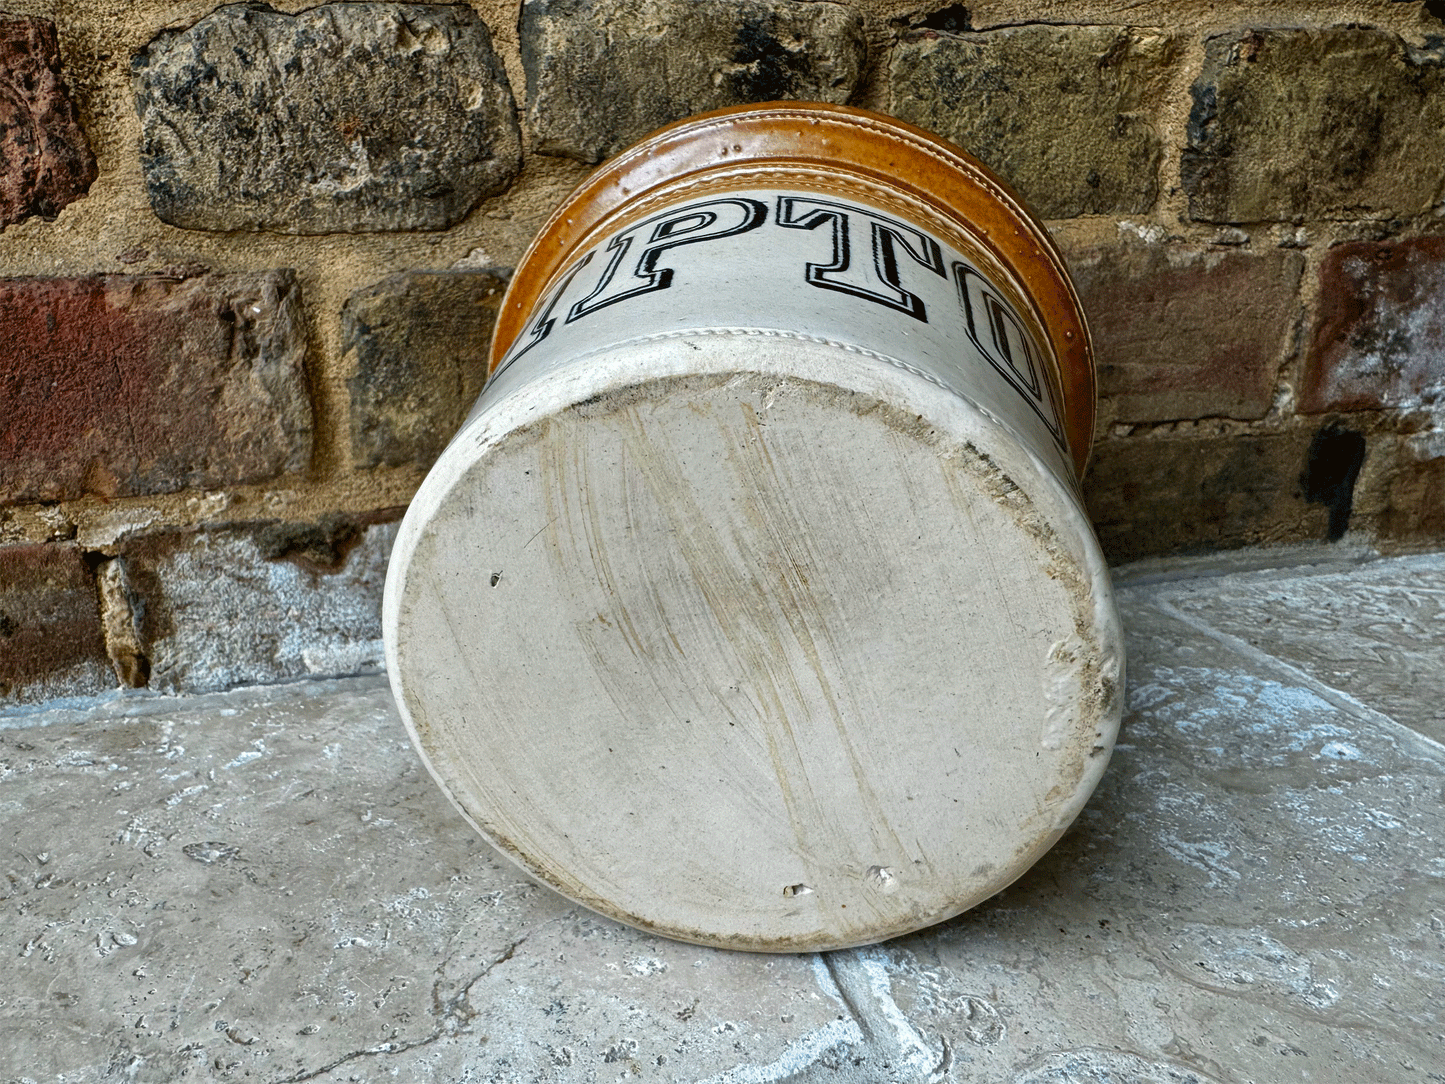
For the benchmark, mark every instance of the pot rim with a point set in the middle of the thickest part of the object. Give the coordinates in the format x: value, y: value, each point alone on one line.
x: 731, y: 144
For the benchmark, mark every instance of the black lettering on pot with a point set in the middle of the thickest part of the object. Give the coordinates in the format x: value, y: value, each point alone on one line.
x: 682, y: 226
x: 1000, y: 337
x: 542, y: 326
x: 878, y: 279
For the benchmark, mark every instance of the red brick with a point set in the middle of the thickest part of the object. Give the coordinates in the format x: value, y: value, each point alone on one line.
x: 119, y: 385
x: 45, y: 161
x: 1185, y: 333
x: 1379, y: 339
x: 50, y: 634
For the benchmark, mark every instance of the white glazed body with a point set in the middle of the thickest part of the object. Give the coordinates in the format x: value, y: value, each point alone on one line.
x: 754, y: 603
x: 767, y: 264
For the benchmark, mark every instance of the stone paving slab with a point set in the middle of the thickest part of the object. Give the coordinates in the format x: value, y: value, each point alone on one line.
x: 265, y: 885
x: 1375, y: 633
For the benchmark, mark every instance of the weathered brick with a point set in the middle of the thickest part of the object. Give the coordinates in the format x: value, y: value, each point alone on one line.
x: 45, y: 160
x: 603, y: 73
x: 1379, y: 338
x: 418, y: 343
x: 1343, y: 123
x: 51, y: 642
x: 1164, y: 495
x: 261, y: 604
x: 1063, y: 113
x: 1400, y: 495
x: 1182, y: 332
x: 119, y: 385
x: 344, y: 118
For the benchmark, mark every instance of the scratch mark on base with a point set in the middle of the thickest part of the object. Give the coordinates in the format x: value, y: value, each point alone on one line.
x: 539, y: 531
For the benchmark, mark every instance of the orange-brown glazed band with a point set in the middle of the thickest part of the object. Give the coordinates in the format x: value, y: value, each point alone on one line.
x: 874, y: 158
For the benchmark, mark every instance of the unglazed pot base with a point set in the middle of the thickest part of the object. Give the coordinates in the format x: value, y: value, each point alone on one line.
x: 754, y: 658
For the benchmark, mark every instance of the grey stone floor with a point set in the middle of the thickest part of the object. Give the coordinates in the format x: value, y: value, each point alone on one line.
x: 265, y: 885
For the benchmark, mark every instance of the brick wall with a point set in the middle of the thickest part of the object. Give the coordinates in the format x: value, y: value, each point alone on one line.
x: 250, y: 259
